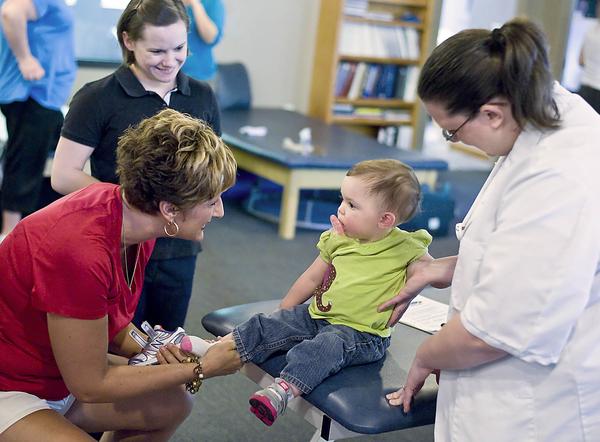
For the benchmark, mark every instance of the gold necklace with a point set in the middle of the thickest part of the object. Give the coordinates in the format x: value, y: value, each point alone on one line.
x: 128, y: 278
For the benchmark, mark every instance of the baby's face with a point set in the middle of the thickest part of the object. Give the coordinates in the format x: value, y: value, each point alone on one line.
x: 359, y: 212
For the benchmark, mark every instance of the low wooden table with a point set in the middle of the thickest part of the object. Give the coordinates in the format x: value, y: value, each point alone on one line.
x: 336, y: 150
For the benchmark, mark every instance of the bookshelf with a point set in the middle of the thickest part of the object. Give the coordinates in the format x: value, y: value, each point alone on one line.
x: 366, y: 66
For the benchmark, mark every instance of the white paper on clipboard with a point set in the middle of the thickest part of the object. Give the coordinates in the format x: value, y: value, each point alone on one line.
x: 425, y: 314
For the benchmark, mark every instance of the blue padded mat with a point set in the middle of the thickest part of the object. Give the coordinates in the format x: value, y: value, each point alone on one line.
x: 354, y: 397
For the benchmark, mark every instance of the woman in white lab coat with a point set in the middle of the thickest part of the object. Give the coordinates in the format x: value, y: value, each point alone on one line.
x: 520, y: 353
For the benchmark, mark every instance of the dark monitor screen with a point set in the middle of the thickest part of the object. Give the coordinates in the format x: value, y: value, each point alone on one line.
x: 96, y: 30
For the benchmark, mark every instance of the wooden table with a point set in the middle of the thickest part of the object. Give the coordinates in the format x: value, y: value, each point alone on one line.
x: 336, y: 150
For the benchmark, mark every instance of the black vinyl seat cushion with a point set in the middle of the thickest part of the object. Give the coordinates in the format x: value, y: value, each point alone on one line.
x: 354, y: 397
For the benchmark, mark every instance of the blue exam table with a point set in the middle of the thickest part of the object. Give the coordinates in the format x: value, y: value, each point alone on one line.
x: 351, y: 402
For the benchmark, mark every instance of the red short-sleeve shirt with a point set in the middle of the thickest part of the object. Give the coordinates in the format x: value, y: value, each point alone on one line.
x: 64, y: 259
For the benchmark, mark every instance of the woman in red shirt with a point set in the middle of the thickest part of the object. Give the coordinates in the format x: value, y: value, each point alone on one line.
x: 71, y: 278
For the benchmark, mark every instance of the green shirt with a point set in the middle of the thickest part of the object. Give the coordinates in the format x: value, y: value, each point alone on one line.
x: 362, y: 276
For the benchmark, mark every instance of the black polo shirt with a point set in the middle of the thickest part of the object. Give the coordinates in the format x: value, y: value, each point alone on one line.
x: 101, y: 111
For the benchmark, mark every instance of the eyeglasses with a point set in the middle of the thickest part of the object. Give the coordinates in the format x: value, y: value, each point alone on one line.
x: 450, y: 135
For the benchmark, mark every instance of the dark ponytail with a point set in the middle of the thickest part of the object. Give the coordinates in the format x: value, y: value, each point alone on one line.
x: 472, y: 67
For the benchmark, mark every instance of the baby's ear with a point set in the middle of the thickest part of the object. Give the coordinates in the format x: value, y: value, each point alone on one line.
x: 387, y: 220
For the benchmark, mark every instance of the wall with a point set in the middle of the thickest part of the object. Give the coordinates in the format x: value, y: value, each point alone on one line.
x: 457, y: 15
x: 580, y: 25
x: 274, y: 39
x: 555, y: 21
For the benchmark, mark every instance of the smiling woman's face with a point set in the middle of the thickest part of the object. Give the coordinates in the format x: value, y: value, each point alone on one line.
x: 193, y: 221
x: 160, y: 53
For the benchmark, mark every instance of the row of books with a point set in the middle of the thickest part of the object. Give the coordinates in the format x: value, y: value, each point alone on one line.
x: 369, y: 40
x: 360, y: 8
x: 397, y: 136
x: 372, y: 112
x: 373, y: 80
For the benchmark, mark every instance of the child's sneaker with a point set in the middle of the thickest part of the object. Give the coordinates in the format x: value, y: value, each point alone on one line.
x: 271, y: 402
x: 157, y: 337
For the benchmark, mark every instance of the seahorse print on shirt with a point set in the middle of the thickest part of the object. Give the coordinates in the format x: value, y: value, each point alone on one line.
x: 318, y: 293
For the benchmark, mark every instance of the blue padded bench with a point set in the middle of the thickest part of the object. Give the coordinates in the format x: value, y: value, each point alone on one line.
x: 351, y: 402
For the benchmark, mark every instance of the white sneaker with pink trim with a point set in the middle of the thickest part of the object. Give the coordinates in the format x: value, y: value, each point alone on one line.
x: 157, y: 337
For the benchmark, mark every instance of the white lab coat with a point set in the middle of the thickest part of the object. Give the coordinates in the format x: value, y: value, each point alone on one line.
x: 527, y: 281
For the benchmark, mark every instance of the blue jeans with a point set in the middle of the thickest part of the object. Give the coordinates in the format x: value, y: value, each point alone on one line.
x: 315, y: 348
x: 166, y: 294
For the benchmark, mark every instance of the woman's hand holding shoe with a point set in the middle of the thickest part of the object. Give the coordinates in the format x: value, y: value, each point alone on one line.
x: 170, y: 354
x: 221, y: 359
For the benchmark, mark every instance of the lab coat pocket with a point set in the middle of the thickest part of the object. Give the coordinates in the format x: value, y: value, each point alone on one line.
x: 589, y: 400
x: 466, y: 272
x: 490, y: 409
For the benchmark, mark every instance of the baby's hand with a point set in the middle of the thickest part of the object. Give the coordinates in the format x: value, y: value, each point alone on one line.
x: 336, y: 225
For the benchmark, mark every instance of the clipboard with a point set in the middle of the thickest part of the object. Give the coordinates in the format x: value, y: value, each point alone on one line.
x: 425, y: 314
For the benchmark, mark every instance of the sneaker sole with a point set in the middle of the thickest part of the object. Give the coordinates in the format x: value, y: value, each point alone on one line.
x: 139, y: 362
x: 262, y: 409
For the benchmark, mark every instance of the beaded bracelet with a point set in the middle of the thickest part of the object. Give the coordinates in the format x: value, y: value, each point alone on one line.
x: 194, y: 385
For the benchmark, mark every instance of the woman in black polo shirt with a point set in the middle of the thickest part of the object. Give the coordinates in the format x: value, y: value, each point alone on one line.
x: 153, y: 38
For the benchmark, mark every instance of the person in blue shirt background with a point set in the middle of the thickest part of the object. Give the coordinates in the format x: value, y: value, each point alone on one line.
x: 207, y: 18
x: 37, y: 71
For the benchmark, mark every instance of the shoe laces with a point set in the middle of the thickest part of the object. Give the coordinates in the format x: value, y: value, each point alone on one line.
x: 278, y: 396
x: 158, y: 336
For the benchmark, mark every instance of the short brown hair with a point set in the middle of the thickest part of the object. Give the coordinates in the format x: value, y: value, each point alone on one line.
x: 394, y: 183
x: 173, y: 157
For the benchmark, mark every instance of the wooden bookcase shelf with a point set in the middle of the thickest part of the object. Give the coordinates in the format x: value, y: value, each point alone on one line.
x: 377, y: 102
x: 367, y: 62
x: 419, y: 3
x: 381, y: 60
x: 351, y: 18
x: 368, y: 121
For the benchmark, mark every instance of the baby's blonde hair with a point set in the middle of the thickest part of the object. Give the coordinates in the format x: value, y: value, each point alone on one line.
x: 393, y: 183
